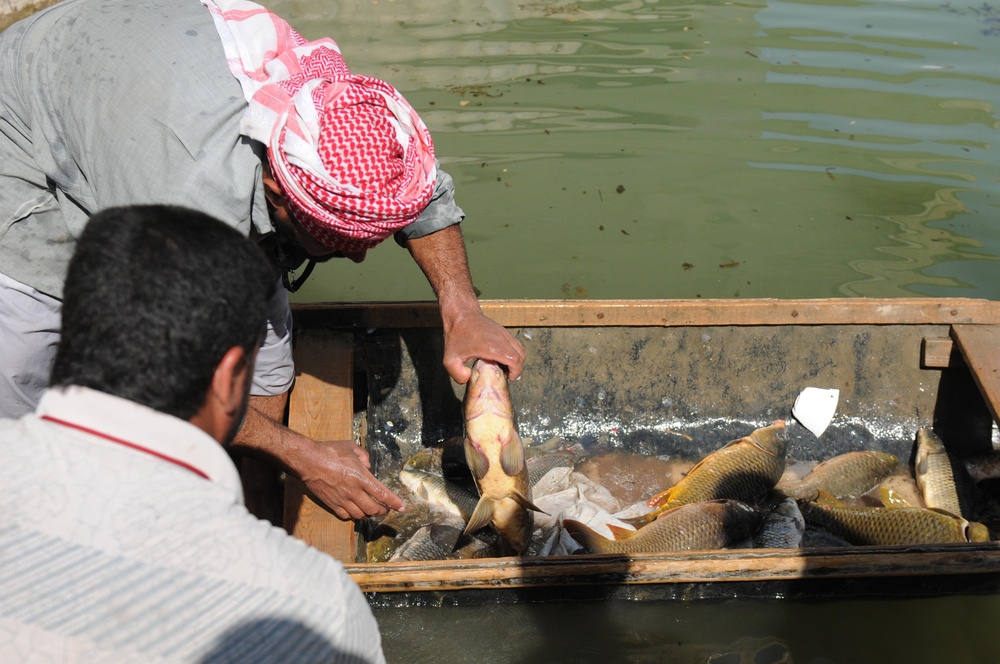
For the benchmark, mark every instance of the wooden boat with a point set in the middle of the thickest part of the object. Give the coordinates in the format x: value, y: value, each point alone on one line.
x: 636, y: 374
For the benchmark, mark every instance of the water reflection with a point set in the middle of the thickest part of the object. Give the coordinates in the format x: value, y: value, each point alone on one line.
x: 714, y: 149
x: 901, y: 104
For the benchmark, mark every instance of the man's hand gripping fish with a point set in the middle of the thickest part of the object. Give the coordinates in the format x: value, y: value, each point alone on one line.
x: 495, y: 455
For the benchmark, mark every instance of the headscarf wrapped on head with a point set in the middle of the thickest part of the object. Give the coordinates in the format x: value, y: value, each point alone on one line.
x: 354, y: 159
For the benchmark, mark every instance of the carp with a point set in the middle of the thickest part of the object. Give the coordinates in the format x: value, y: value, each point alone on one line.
x: 890, y: 525
x: 495, y: 454
x: 713, y: 524
x: 539, y: 465
x: 432, y: 542
x: 944, y: 482
x: 394, y: 530
x: 782, y: 527
x: 439, y: 492
x: 983, y: 466
x: 843, y: 476
x: 745, y: 469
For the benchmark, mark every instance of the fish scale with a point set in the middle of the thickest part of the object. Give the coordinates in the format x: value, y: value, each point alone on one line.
x: 843, y: 476
x: 745, y: 469
x: 697, y: 526
x: 944, y: 483
x: 892, y: 525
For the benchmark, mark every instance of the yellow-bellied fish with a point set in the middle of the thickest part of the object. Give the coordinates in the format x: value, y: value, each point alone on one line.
x: 745, y: 469
x: 843, y: 476
x: 495, y: 455
x: 713, y: 524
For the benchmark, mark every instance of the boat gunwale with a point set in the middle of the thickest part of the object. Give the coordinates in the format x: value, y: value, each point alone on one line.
x: 730, y: 565
x: 663, y: 313
x: 771, y: 567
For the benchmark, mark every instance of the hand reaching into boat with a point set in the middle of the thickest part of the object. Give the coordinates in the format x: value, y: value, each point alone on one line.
x: 338, y: 473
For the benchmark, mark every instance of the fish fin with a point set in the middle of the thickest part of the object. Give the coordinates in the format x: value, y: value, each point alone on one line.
x: 662, y: 512
x: 480, y: 516
x: 585, y: 536
x: 478, y: 462
x: 638, y: 521
x: 826, y: 498
x: 645, y: 519
x: 660, y: 498
x: 525, y: 502
x: 512, y: 456
x: 621, y: 533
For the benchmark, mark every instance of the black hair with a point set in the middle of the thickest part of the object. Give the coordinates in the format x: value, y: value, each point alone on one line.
x: 155, y: 296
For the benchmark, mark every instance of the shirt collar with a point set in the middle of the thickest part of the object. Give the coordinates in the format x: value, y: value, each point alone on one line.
x: 142, y: 429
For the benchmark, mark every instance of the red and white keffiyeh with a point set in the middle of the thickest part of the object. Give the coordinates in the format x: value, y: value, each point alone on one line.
x: 354, y: 159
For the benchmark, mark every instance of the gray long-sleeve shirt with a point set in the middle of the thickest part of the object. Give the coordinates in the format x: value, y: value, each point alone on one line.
x: 119, y: 102
x: 116, y: 102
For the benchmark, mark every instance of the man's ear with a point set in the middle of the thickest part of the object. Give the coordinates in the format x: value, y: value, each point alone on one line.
x: 229, y: 380
x: 273, y: 190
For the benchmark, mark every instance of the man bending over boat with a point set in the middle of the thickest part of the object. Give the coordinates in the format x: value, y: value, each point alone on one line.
x: 124, y: 536
x: 223, y: 107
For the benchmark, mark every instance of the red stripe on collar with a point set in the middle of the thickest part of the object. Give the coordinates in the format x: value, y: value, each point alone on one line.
x: 138, y: 448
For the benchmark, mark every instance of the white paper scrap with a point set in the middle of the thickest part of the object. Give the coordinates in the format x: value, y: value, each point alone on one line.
x: 814, y: 408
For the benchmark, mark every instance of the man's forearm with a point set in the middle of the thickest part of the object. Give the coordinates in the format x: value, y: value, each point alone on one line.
x: 337, y: 473
x: 441, y: 257
x: 263, y: 432
x: 468, y: 334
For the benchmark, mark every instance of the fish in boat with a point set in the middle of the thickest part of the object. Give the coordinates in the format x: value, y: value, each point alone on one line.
x: 431, y: 542
x: 394, y: 530
x: 983, y: 466
x: 446, y: 458
x: 439, y: 492
x: 745, y: 469
x: 782, y: 527
x: 713, y: 524
x: 495, y: 455
x: 843, y: 476
x: 944, y: 482
x: 446, y: 541
x: 541, y: 464
x: 890, y: 525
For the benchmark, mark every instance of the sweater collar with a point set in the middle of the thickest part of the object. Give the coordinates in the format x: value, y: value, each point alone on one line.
x: 141, y: 429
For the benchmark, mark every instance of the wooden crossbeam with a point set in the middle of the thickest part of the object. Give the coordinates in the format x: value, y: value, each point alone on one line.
x: 980, y: 346
x: 321, y: 407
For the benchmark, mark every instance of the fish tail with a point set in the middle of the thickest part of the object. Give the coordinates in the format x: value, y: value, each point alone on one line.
x: 586, y: 536
x: 481, y: 516
x: 644, y: 519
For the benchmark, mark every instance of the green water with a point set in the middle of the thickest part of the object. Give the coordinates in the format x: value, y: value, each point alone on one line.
x: 938, y: 631
x: 646, y: 149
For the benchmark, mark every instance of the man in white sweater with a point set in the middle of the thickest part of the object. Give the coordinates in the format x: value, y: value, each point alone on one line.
x: 123, y: 534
